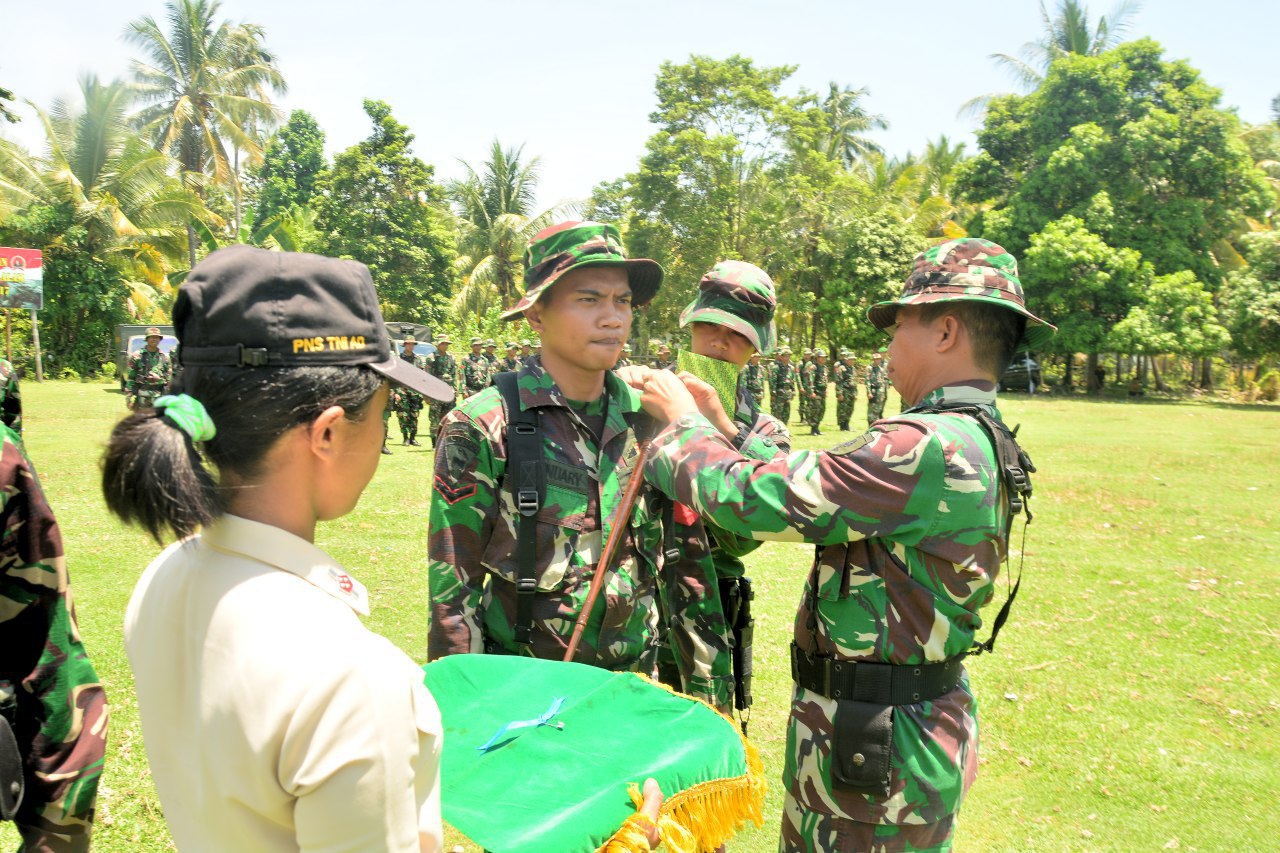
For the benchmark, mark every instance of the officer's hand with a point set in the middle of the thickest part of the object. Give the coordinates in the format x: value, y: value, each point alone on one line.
x: 653, y: 800
x: 634, y: 375
x: 664, y: 396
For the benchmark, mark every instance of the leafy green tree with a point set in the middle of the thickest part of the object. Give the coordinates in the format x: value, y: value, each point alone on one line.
x: 849, y: 123
x: 1252, y: 298
x: 5, y: 113
x: 292, y: 168
x: 382, y: 207
x: 1174, y: 314
x: 202, y: 84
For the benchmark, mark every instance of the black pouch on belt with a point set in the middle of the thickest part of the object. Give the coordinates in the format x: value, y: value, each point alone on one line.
x: 861, y: 746
x: 11, y: 778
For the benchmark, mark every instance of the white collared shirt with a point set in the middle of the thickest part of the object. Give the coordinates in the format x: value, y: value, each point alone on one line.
x: 273, y: 719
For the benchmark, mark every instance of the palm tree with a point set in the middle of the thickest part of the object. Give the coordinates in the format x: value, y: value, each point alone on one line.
x: 118, y: 188
x: 849, y: 121
x: 202, y: 84
x: 1066, y: 32
x: 495, y: 222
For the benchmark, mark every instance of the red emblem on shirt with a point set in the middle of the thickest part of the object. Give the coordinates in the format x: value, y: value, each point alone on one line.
x: 685, y: 514
x: 344, y: 583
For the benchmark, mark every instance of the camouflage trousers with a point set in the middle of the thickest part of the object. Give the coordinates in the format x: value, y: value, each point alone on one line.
x: 435, y: 414
x: 875, y: 406
x: 817, y: 409
x: 144, y: 398
x: 805, y: 831
x: 407, y: 418
x: 844, y: 411
x: 804, y: 405
x: 781, y: 408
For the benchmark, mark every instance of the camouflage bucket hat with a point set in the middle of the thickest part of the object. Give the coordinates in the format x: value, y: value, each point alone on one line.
x: 740, y: 296
x: 965, y: 270
x: 569, y: 246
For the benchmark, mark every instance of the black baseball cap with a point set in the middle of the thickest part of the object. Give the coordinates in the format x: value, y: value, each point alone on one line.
x: 248, y: 307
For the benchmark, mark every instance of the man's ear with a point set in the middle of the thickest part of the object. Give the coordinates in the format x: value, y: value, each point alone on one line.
x: 321, y: 432
x: 533, y: 316
x: 949, y: 328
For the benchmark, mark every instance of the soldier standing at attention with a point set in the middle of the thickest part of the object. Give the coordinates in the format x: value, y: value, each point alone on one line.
x: 816, y: 373
x: 445, y: 368
x: 664, y: 357
x: 149, y: 372
x: 782, y: 385
x: 877, y: 387
x: 475, y: 370
x: 846, y: 382
x: 912, y: 520
x: 731, y: 319
x: 512, y: 361
x: 625, y: 358
x: 526, y: 352
x: 753, y: 378
x: 580, y: 289
x: 409, y: 403
x: 491, y: 356
x: 802, y: 377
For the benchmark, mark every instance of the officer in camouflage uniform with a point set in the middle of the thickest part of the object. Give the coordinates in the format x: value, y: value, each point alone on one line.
x: 475, y: 370
x: 512, y: 361
x: 149, y: 373
x: 580, y: 289
x: 877, y: 388
x: 815, y: 382
x: 491, y: 356
x: 782, y: 385
x: 526, y: 352
x: 846, y: 382
x: 802, y: 378
x: 731, y: 319
x: 406, y: 403
x: 445, y: 368
x: 912, y: 523
x: 753, y: 379
x: 10, y: 398
x: 624, y: 359
x: 664, y: 359
x: 49, y: 693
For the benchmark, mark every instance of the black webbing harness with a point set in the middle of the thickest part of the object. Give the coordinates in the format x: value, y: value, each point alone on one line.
x: 526, y: 477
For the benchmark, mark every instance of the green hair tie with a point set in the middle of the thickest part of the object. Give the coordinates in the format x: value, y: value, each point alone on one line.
x: 188, y: 414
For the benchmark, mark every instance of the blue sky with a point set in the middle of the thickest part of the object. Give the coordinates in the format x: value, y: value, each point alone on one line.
x: 573, y: 80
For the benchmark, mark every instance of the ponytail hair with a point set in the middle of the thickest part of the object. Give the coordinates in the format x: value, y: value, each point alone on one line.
x: 155, y: 476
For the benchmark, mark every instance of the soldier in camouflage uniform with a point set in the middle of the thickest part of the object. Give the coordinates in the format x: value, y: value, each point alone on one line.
x: 846, y: 382
x: 877, y: 388
x: 10, y: 398
x: 475, y: 370
x: 802, y: 380
x: 753, y: 379
x: 149, y: 373
x: 491, y: 356
x: 625, y: 358
x: 407, y: 403
x: 580, y: 289
x: 445, y: 368
x: 782, y: 385
x: 48, y: 689
x: 815, y: 384
x: 911, y: 519
x: 664, y: 359
x: 730, y: 320
x: 526, y: 352
x: 512, y: 361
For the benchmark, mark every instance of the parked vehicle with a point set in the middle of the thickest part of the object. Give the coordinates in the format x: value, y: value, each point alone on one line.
x: 1023, y: 374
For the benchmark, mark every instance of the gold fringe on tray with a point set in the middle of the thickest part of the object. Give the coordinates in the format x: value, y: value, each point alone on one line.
x: 700, y: 818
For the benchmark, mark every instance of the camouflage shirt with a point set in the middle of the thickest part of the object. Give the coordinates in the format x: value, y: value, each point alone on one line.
x: 472, y: 536
x: 701, y: 642
x: 782, y: 381
x: 911, y: 524
x: 845, y: 379
x: 508, y: 364
x: 149, y: 372
x: 475, y: 374
x: 753, y: 377
x: 445, y: 368
x: 61, y: 708
x: 814, y: 379
x: 877, y: 380
x: 10, y: 397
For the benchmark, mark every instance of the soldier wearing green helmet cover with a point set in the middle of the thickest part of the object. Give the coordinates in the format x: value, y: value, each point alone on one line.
x: 730, y: 320
x: 782, y: 385
x: 814, y: 381
x: 845, y: 379
x: 877, y: 387
x: 912, y: 521
x: 753, y: 378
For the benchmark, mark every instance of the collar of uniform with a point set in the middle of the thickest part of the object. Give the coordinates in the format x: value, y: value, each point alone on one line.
x: 968, y: 393
x: 280, y: 549
x: 538, y: 389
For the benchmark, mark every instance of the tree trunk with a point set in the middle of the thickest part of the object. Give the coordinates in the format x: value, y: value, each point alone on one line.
x: 1067, y: 380
x: 191, y: 245
x: 1155, y: 376
x: 1206, y: 373
x: 1091, y: 383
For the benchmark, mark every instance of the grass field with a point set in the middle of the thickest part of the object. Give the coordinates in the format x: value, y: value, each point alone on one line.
x: 1132, y: 702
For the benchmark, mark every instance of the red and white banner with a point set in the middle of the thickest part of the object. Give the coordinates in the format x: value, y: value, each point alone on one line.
x: 21, y: 278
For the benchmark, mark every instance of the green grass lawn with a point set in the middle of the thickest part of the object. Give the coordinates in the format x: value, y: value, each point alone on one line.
x: 1132, y: 702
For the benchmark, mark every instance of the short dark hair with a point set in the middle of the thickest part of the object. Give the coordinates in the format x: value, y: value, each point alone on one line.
x: 995, y: 331
x: 152, y: 472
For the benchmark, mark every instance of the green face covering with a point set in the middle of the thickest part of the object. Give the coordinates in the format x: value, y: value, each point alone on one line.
x: 720, y: 375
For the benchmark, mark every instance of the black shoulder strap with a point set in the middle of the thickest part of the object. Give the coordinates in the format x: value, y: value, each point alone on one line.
x: 1015, y: 469
x: 526, y: 476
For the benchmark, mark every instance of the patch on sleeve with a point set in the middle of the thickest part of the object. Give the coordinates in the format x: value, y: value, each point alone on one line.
x: 861, y: 441
x: 685, y: 514
x: 458, y: 449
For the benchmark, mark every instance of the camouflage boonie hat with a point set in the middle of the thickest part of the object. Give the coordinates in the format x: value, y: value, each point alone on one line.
x: 443, y: 339
x: 807, y: 351
x: 153, y: 332
x: 783, y: 350
x: 525, y: 343
x: 409, y: 339
x: 819, y: 353
x: 737, y: 295
x: 512, y: 345
x: 966, y: 270
x: 490, y: 343
x: 477, y: 341
x: 569, y: 246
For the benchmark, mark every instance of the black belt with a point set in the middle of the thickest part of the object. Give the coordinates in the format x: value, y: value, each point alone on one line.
x: 881, y: 683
